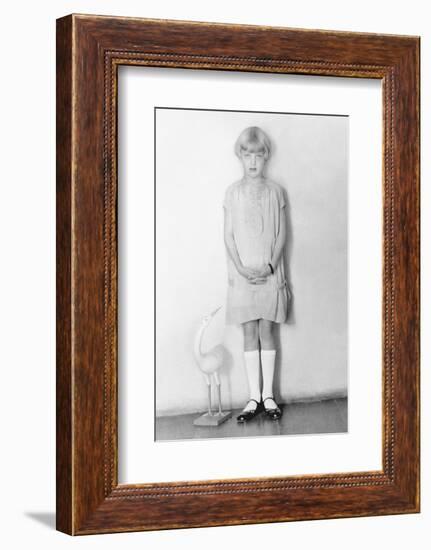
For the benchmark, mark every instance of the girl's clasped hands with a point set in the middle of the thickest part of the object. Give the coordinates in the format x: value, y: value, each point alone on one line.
x: 255, y: 276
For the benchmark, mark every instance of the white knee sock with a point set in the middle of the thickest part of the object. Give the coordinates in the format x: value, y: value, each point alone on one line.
x: 268, y: 365
x: 252, y: 368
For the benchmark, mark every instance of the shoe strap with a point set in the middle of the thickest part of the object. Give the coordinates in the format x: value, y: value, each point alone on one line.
x: 252, y: 400
x: 276, y: 409
x: 269, y: 398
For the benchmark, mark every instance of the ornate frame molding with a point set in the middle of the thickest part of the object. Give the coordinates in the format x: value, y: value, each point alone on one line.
x: 90, y: 49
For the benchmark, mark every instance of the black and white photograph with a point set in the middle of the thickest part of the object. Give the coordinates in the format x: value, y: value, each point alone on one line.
x: 251, y: 273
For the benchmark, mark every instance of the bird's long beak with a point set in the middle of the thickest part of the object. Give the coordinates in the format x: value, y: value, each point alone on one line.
x: 215, y: 311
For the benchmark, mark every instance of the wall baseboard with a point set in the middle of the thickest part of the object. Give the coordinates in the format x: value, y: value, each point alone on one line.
x: 339, y: 394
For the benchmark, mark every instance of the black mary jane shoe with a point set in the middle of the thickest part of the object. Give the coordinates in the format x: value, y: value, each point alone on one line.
x: 245, y: 416
x: 273, y: 413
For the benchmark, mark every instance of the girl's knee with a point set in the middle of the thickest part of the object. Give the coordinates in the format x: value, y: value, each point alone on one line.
x: 251, y: 334
x: 265, y: 330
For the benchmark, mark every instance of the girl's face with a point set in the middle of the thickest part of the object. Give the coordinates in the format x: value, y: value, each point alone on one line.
x: 253, y: 163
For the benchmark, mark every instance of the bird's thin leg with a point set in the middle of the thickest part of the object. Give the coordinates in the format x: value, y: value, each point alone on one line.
x: 208, y: 381
x: 217, y: 381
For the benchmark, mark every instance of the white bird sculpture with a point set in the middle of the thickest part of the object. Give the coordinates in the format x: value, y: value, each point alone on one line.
x: 209, y: 363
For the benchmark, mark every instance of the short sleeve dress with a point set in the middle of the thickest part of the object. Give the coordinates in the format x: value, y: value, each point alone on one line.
x: 255, y: 213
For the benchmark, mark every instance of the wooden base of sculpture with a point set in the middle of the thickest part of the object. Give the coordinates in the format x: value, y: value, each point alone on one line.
x: 214, y: 419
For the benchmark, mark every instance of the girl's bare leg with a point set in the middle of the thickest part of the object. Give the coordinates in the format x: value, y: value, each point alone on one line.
x: 266, y: 334
x: 251, y: 335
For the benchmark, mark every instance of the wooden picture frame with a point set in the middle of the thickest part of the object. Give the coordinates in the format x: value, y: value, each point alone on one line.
x: 89, y: 51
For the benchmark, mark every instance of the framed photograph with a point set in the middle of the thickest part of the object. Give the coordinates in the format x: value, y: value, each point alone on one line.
x: 237, y: 274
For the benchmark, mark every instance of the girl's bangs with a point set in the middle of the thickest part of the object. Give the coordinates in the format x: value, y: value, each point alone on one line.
x: 253, y: 147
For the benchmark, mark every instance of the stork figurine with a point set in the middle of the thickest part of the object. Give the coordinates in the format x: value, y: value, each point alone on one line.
x: 210, y: 363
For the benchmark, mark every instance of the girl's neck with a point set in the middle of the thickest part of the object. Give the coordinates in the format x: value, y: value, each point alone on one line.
x: 254, y: 181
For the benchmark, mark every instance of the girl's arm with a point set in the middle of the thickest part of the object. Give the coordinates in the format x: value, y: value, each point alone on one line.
x: 229, y: 241
x: 280, y: 242
x: 278, y: 248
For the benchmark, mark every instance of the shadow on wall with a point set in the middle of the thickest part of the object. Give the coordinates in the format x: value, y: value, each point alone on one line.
x: 287, y: 257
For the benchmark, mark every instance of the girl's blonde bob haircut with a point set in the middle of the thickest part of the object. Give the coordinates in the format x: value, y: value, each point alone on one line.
x: 253, y: 139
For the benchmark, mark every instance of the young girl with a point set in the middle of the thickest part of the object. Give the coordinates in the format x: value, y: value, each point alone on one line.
x: 255, y: 237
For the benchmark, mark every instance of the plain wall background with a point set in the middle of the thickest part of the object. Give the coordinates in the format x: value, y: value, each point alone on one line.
x: 309, y: 160
x: 27, y: 290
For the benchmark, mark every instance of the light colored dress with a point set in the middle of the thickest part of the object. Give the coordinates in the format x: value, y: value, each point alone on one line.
x: 255, y: 212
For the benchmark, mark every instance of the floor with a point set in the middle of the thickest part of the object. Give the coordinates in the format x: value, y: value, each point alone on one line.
x: 329, y: 416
